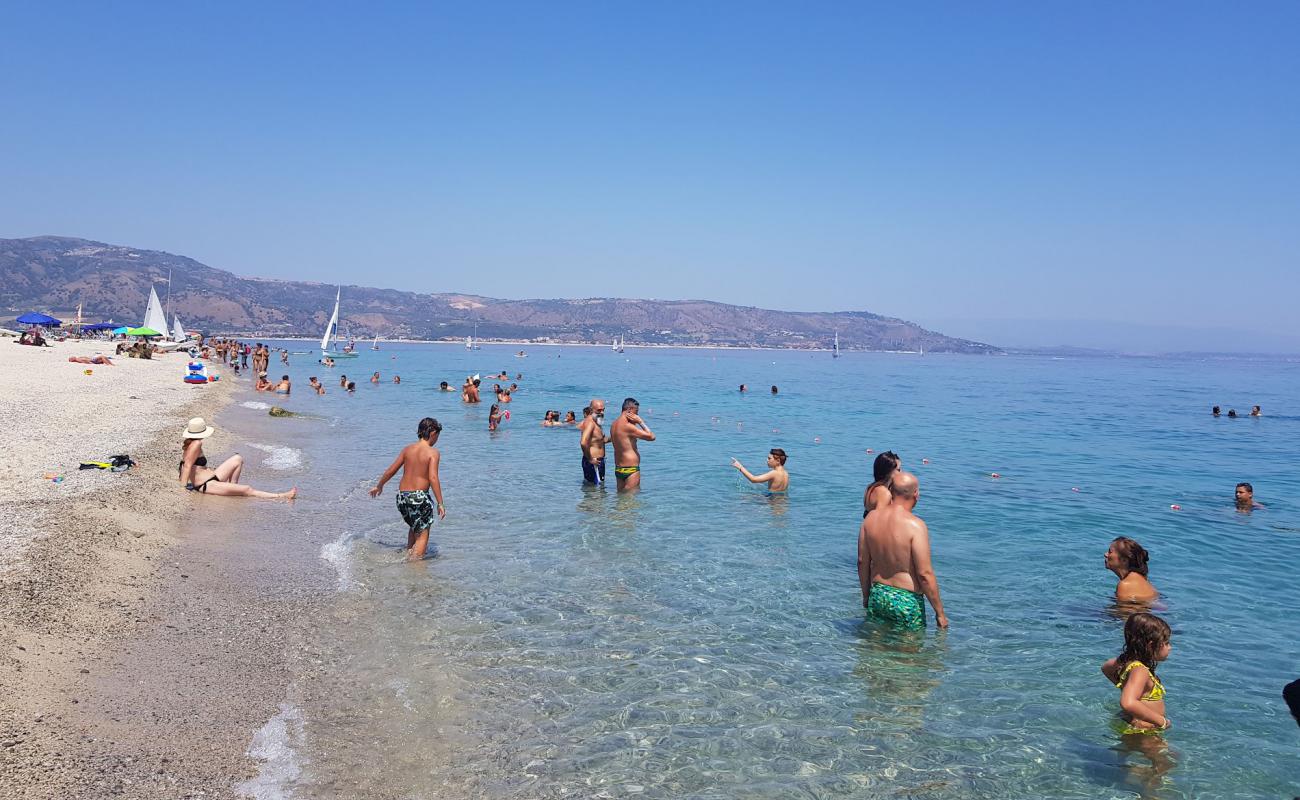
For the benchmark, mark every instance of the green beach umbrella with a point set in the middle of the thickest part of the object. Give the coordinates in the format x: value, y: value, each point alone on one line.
x: 142, y: 332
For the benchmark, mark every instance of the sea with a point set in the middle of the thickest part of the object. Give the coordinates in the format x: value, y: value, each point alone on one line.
x: 699, y: 639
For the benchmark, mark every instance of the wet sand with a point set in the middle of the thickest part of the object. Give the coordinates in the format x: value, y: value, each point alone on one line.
x: 146, y: 632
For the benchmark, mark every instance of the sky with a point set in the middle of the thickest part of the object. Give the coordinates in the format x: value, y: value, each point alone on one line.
x: 1025, y: 173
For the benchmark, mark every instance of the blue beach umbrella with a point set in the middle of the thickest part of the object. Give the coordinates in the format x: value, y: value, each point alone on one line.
x: 122, y: 329
x: 33, y: 318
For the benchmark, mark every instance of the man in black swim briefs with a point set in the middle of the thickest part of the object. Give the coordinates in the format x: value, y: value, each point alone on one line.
x: 592, y: 442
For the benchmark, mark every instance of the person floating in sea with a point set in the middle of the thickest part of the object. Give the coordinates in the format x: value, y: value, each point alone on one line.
x: 1245, y: 497
x: 897, y: 561
x: 776, y: 478
x: 571, y: 418
x: 592, y: 442
x: 1133, y: 671
x: 626, y: 431
x: 284, y: 386
x: 419, y: 489
x: 195, y: 475
x: 1128, y: 560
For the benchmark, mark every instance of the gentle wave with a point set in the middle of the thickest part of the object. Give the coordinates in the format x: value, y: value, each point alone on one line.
x: 255, y: 405
x: 278, y: 456
x: 337, y: 554
x: 275, y: 746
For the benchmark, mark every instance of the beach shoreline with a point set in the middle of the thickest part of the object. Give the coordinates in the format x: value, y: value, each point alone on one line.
x: 141, y: 652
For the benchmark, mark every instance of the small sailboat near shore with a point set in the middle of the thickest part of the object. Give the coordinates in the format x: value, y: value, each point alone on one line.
x: 331, y: 329
x: 375, y: 346
x: 835, y: 353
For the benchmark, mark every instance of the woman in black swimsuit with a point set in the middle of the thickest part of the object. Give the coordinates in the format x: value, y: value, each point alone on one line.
x: 224, y: 480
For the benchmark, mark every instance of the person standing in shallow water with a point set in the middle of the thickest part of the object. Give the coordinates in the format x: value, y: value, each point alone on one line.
x: 898, y: 561
x: 591, y: 442
x: 626, y: 431
x: 1128, y: 560
x: 776, y: 478
x: 420, y: 487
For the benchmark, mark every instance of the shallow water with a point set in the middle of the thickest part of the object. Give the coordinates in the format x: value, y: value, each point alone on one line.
x: 701, y: 640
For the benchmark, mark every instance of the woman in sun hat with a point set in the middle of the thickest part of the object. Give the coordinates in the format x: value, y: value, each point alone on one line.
x: 195, y: 475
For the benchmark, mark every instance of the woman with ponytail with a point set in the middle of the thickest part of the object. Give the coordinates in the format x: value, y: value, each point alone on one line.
x: 1128, y: 560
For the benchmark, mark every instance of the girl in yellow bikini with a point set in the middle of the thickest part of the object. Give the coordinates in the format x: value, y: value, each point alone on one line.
x: 1142, y: 696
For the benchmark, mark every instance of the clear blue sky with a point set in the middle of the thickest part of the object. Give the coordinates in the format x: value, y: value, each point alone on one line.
x: 962, y: 165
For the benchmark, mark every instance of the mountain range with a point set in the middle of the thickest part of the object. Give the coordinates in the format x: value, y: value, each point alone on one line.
x: 54, y: 274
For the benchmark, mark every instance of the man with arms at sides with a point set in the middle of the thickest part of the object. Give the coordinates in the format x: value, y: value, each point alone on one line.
x: 897, y: 561
x: 624, y: 434
x: 592, y: 443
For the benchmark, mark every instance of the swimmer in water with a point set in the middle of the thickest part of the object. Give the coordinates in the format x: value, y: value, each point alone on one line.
x: 626, y: 431
x: 1245, y: 497
x: 1215, y: 411
x: 1255, y: 412
x: 284, y: 386
x: 882, y: 472
x: 494, y: 417
x: 897, y: 561
x: 420, y: 487
x: 1128, y: 560
x: 1133, y: 671
x: 374, y: 378
x: 743, y: 388
x: 776, y: 478
x: 774, y: 389
x: 445, y: 387
x: 343, y: 381
x: 591, y: 442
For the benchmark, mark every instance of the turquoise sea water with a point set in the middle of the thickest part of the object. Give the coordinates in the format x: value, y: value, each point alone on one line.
x: 701, y: 640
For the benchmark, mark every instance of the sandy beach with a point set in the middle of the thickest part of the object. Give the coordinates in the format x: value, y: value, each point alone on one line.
x: 140, y: 650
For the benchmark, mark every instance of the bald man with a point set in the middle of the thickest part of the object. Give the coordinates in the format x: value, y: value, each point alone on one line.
x: 592, y: 443
x: 896, y: 559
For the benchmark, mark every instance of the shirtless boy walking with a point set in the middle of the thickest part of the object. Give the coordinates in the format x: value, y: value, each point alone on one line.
x: 419, y: 465
x: 895, y: 554
x: 626, y: 431
x: 592, y: 443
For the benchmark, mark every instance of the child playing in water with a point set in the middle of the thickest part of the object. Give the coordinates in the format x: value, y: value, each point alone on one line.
x: 494, y: 417
x: 776, y: 478
x: 1133, y: 671
x: 419, y: 465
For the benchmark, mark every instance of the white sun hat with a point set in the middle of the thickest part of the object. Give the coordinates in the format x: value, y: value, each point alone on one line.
x: 198, y: 429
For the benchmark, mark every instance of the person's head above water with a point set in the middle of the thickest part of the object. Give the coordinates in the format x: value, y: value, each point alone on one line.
x: 444, y: 385
x: 1126, y: 555
x: 1146, y: 639
x: 905, y: 488
x: 778, y: 454
x: 1232, y: 412
x: 428, y: 429
x: 886, y: 464
x: 1215, y: 411
x: 1254, y: 411
x: 773, y: 389
x: 1245, y: 495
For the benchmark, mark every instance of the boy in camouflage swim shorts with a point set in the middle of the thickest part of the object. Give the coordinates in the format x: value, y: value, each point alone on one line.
x: 420, y: 487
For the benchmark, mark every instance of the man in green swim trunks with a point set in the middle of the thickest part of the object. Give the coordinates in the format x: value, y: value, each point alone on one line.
x: 897, y: 559
x: 626, y: 431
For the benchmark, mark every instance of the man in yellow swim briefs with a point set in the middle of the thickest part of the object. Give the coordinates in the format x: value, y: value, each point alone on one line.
x: 626, y: 431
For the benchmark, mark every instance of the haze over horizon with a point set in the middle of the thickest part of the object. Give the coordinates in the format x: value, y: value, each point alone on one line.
x: 996, y: 176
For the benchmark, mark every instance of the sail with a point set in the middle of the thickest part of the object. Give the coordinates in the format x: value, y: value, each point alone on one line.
x: 178, y: 333
x: 334, y: 324
x: 153, y: 315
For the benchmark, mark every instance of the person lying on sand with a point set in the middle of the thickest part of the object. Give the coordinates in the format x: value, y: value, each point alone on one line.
x: 101, y: 360
x: 195, y: 475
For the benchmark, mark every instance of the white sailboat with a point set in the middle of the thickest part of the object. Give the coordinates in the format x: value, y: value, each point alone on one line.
x: 375, y: 346
x: 153, y: 315
x: 836, y: 352
x: 618, y: 344
x: 331, y: 329
x: 471, y: 342
x: 178, y: 333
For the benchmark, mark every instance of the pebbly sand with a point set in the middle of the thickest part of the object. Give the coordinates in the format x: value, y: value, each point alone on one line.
x: 143, y: 638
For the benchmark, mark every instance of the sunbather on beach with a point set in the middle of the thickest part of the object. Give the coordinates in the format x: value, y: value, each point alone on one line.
x: 101, y: 360
x: 195, y: 475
